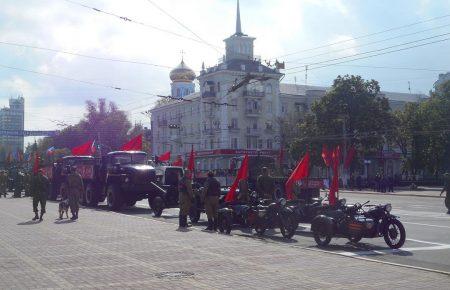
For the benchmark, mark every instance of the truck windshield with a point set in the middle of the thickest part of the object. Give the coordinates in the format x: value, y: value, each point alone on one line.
x: 129, y: 159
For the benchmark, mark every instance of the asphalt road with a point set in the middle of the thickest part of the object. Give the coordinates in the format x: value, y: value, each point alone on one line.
x: 425, y: 219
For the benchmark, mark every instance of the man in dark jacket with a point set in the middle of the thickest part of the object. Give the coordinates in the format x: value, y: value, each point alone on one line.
x: 39, y: 188
x: 265, y: 185
x: 211, y: 191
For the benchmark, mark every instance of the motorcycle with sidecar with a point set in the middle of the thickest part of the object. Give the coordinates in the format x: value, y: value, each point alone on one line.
x: 354, y: 223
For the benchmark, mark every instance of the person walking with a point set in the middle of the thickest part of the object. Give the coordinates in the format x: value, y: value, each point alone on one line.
x: 211, y: 191
x: 39, y: 190
x: 75, y: 188
x: 265, y: 184
x: 185, y: 198
x: 3, y: 183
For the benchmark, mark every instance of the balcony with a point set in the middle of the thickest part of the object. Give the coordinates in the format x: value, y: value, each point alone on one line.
x: 252, y: 112
x: 253, y: 132
x: 209, y: 132
x: 208, y: 94
x: 257, y: 94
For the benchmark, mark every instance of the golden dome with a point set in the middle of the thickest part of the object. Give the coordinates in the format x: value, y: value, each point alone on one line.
x: 182, y: 73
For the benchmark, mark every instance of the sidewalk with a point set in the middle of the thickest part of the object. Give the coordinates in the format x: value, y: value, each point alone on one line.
x: 402, y: 191
x: 115, y: 251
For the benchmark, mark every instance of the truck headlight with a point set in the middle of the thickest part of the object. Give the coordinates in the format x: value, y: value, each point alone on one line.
x: 388, y: 207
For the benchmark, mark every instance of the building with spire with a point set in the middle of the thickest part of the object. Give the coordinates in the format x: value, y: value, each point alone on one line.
x: 237, y: 110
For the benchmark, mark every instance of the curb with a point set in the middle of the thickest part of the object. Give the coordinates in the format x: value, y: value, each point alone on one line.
x: 391, y: 194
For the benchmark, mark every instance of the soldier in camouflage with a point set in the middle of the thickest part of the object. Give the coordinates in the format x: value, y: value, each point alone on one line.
x: 39, y: 189
x: 265, y: 185
x: 185, y: 198
x: 75, y: 189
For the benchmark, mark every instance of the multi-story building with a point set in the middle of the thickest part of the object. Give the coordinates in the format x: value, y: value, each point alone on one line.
x: 237, y: 110
x: 12, y: 119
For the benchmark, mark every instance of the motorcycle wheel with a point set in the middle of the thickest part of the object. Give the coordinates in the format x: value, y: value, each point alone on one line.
x: 288, y: 226
x: 225, y: 224
x: 321, y: 237
x: 260, y: 228
x: 395, y: 234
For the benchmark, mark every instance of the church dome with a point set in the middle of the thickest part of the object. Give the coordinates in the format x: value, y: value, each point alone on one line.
x: 182, y: 73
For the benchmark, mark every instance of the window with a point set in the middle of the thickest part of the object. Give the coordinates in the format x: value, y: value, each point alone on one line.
x: 269, y: 107
x: 249, y: 143
x: 218, y: 86
x: 211, y: 143
x: 268, y: 88
x: 269, y: 144
x: 260, y: 144
x: 283, y: 109
x: 234, y: 124
x: 243, y: 67
x: 255, y: 126
x: 234, y: 143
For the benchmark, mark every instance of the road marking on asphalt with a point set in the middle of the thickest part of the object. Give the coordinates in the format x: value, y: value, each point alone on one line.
x: 426, y: 242
x: 427, y: 225
x: 425, y: 214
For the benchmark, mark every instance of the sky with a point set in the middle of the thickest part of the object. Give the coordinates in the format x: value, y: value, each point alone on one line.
x: 298, y: 32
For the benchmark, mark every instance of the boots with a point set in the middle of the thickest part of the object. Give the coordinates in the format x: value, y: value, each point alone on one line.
x: 42, y: 214
x: 180, y: 221
x: 210, y: 225
x: 215, y: 224
x: 36, y: 217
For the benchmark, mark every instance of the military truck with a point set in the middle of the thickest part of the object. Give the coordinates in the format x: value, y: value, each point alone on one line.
x: 120, y: 177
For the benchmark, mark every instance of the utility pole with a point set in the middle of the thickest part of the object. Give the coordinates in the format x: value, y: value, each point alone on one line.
x: 344, y: 134
x: 409, y: 87
x: 306, y: 75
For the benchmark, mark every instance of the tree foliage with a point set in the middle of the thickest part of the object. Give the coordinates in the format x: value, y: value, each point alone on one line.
x: 352, y: 109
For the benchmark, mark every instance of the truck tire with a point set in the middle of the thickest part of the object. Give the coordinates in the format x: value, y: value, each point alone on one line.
x: 114, y: 197
x: 91, y: 196
x: 157, y: 206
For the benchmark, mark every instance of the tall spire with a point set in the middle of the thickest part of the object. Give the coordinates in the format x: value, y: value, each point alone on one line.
x: 238, y: 20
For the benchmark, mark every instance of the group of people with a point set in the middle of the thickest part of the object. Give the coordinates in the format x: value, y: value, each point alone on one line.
x: 74, y: 187
x: 211, y: 191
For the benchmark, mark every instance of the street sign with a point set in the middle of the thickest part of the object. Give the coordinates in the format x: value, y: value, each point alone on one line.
x: 25, y: 133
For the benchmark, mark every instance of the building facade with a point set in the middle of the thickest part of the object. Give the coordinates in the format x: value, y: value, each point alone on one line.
x: 12, y: 118
x: 237, y: 110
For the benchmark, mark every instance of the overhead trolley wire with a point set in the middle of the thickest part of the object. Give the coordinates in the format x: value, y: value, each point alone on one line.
x: 366, y: 35
x: 127, y: 19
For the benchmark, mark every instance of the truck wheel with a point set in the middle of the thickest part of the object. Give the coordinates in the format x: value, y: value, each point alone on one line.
x: 157, y: 206
x: 91, y: 196
x: 114, y: 198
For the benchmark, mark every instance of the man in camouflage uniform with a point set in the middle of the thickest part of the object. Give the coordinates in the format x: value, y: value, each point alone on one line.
x: 18, y: 184
x: 75, y: 189
x: 211, y: 191
x: 3, y: 183
x: 27, y: 184
x: 243, y: 196
x: 39, y: 188
x: 185, y: 197
x: 265, y: 185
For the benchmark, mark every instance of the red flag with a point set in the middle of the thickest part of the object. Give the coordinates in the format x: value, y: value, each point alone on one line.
x: 164, y: 157
x: 85, y: 149
x: 191, y: 162
x: 335, y: 182
x: 326, y: 155
x: 300, y: 172
x: 36, y: 164
x: 134, y: 144
x: 242, y: 174
x: 350, y: 154
x: 178, y: 162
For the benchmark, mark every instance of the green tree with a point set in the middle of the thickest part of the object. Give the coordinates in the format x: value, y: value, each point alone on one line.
x: 353, y: 109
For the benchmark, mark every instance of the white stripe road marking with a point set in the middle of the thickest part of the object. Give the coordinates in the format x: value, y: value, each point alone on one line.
x: 427, y: 225
x: 393, y: 251
x: 425, y: 242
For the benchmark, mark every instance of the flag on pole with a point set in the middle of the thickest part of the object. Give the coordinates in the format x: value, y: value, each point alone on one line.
x: 178, y: 162
x: 164, y: 157
x: 191, y: 162
x: 242, y: 174
x: 84, y: 149
x: 350, y: 155
x: 326, y: 155
x: 300, y: 172
x: 336, y: 157
x: 50, y: 151
x: 134, y: 144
